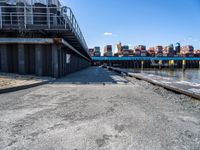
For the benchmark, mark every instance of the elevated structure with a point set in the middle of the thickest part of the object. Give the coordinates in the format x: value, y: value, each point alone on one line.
x: 108, y: 50
x: 43, y: 32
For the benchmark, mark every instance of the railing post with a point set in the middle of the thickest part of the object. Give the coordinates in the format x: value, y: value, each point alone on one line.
x: 48, y: 17
x: 65, y: 24
x: 25, y: 15
x: 11, y: 18
x: 1, y: 23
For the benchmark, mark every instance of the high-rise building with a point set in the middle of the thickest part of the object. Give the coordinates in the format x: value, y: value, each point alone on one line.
x: 119, y: 48
x: 187, y: 50
x: 151, y: 51
x: 91, y: 52
x: 140, y: 50
x: 125, y: 47
x: 159, y: 50
x: 97, y: 51
x: 197, y: 53
x: 177, y: 48
x: 171, y: 51
x: 108, y: 50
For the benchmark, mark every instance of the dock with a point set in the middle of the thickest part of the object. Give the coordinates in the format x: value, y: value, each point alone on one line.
x: 148, y: 62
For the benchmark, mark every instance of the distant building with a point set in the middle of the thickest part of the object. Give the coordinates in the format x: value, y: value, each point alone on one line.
x: 97, y: 51
x: 119, y: 48
x: 108, y: 50
x: 159, y: 50
x: 197, y: 53
x: 187, y: 50
x: 169, y: 50
x: 151, y: 51
x: 91, y: 52
x: 165, y: 51
x: 127, y: 52
x: 178, y: 48
x: 123, y: 50
x: 125, y: 47
x: 140, y: 50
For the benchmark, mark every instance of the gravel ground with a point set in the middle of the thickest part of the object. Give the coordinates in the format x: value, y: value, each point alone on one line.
x: 98, y: 110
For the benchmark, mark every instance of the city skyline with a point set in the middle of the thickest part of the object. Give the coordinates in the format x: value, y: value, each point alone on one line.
x: 135, y: 22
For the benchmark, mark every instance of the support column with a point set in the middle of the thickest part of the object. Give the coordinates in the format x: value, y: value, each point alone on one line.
x: 55, y: 61
x: 160, y: 64
x: 4, y: 58
x: 21, y: 59
x: 184, y: 65
x: 38, y: 60
x: 199, y: 64
x: 171, y: 64
x: 142, y: 64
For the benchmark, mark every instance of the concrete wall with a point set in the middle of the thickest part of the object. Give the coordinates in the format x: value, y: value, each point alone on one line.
x: 41, y: 60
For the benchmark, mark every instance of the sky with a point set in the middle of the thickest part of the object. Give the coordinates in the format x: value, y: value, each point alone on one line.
x: 134, y: 22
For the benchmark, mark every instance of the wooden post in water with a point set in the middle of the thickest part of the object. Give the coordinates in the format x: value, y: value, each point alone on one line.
x: 142, y: 64
x: 171, y: 64
x: 160, y: 64
x: 199, y: 64
x: 184, y: 65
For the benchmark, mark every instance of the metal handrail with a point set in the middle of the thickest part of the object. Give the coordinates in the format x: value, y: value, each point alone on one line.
x: 23, y: 16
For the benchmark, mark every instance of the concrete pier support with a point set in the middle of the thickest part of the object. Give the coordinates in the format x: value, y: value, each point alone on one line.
x: 21, y: 59
x: 4, y: 58
x: 55, y: 71
x: 38, y: 60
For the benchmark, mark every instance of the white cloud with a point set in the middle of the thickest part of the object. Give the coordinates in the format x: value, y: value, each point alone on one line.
x: 108, y: 34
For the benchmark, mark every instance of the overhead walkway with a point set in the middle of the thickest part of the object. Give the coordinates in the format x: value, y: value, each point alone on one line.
x: 45, y: 40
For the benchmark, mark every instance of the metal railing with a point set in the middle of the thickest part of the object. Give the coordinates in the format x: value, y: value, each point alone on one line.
x: 26, y: 17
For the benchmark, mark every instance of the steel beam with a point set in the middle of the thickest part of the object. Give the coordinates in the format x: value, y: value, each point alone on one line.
x: 26, y: 41
x: 21, y: 59
x: 4, y: 58
x: 55, y: 71
x: 40, y: 41
x: 38, y: 60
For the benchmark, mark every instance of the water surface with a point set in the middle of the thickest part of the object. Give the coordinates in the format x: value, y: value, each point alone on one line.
x: 190, y: 75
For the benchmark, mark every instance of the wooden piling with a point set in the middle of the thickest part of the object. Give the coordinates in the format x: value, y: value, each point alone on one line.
x: 160, y: 64
x: 184, y: 65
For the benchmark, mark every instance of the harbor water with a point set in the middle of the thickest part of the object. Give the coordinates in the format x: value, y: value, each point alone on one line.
x: 189, y: 75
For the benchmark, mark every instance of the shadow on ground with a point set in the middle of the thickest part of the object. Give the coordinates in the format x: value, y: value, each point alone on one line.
x: 91, y: 75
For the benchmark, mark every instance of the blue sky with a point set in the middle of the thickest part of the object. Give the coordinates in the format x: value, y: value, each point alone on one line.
x: 133, y: 22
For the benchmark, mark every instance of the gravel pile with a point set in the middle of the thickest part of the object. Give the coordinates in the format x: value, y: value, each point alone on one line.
x: 188, y: 102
